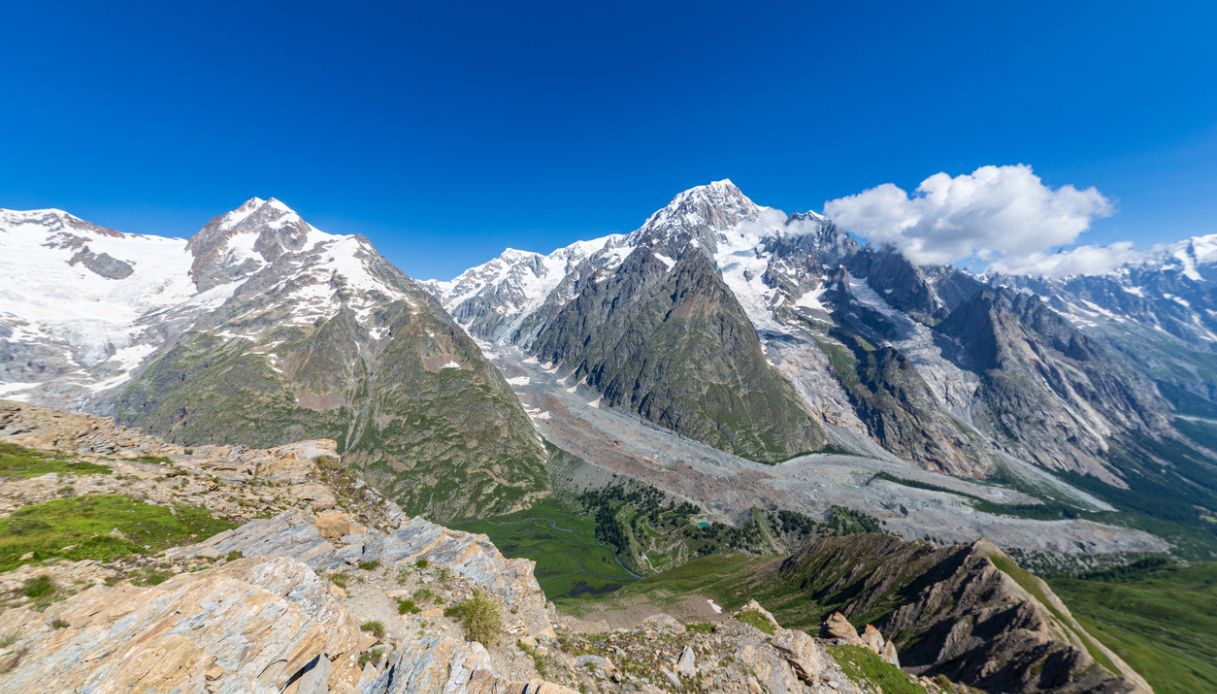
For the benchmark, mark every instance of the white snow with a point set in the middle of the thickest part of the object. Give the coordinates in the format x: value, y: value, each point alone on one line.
x: 450, y: 365
x: 811, y: 299
x: 109, y: 327
x: 519, y: 380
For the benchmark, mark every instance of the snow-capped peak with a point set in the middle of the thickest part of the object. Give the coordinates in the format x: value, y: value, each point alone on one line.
x: 50, y: 220
x: 254, y: 210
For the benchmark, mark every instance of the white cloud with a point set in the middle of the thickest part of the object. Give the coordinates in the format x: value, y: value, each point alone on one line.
x: 1004, y: 215
x: 1083, y: 260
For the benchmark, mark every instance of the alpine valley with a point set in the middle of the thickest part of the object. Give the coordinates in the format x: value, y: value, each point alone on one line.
x: 746, y: 451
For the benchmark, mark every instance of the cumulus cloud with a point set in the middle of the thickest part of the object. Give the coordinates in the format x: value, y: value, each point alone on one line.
x: 1003, y: 215
x: 1083, y: 260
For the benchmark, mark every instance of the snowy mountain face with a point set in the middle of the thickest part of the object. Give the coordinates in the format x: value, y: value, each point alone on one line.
x: 853, y: 330
x: 261, y: 329
x: 1157, y: 309
x: 97, y: 302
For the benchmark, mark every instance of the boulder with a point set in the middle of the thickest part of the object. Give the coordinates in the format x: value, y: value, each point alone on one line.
x: 803, y: 653
x: 872, y: 639
x: 334, y: 524
x: 687, y: 665
x: 838, y: 627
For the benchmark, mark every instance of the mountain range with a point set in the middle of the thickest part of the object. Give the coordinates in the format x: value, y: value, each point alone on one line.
x: 899, y: 441
x: 767, y: 336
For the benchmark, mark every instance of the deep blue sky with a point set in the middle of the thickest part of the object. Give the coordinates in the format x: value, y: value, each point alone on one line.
x: 448, y: 130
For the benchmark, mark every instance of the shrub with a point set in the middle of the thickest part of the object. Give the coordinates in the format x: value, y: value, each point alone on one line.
x: 369, y: 565
x: 372, y: 656
x: 38, y: 587
x: 480, y: 617
x: 405, y: 605
x: 422, y: 564
x: 374, y: 627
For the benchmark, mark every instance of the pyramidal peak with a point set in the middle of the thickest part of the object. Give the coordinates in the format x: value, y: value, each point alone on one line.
x: 255, y: 210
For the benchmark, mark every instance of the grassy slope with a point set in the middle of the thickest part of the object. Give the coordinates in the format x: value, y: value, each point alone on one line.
x: 83, y: 528
x: 1163, y: 623
x: 570, y: 562
x: 19, y: 462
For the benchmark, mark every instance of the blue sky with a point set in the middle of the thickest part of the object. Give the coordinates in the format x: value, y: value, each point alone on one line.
x: 446, y: 131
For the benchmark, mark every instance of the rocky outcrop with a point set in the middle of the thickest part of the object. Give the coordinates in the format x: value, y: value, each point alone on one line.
x: 103, y: 264
x: 336, y: 591
x: 967, y: 612
x: 252, y: 625
x: 472, y: 558
x: 662, y: 655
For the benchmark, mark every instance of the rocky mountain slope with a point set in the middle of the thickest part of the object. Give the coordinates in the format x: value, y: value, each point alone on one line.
x: 954, y: 372
x: 967, y: 613
x: 320, y: 584
x: 261, y: 329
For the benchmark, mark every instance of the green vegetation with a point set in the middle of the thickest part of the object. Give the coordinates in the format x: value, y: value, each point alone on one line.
x: 151, y: 577
x: 100, y: 527
x: 153, y: 459
x: 421, y: 564
x: 1032, y: 585
x: 38, y: 587
x: 1049, y: 510
x: 756, y: 619
x: 370, y: 657
x: 374, y: 627
x: 651, y: 532
x: 406, y: 605
x: 369, y: 565
x: 339, y: 579
x: 480, y: 617
x: 571, y: 563
x: 1161, y: 618
x: 864, y: 667
x: 480, y: 449
x: 18, y: 462
x: 538, y: 661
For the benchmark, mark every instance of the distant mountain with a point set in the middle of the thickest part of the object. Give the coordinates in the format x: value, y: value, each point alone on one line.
x: 1159, y: 309
x: 767, y: 334
x: 260, y: 330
